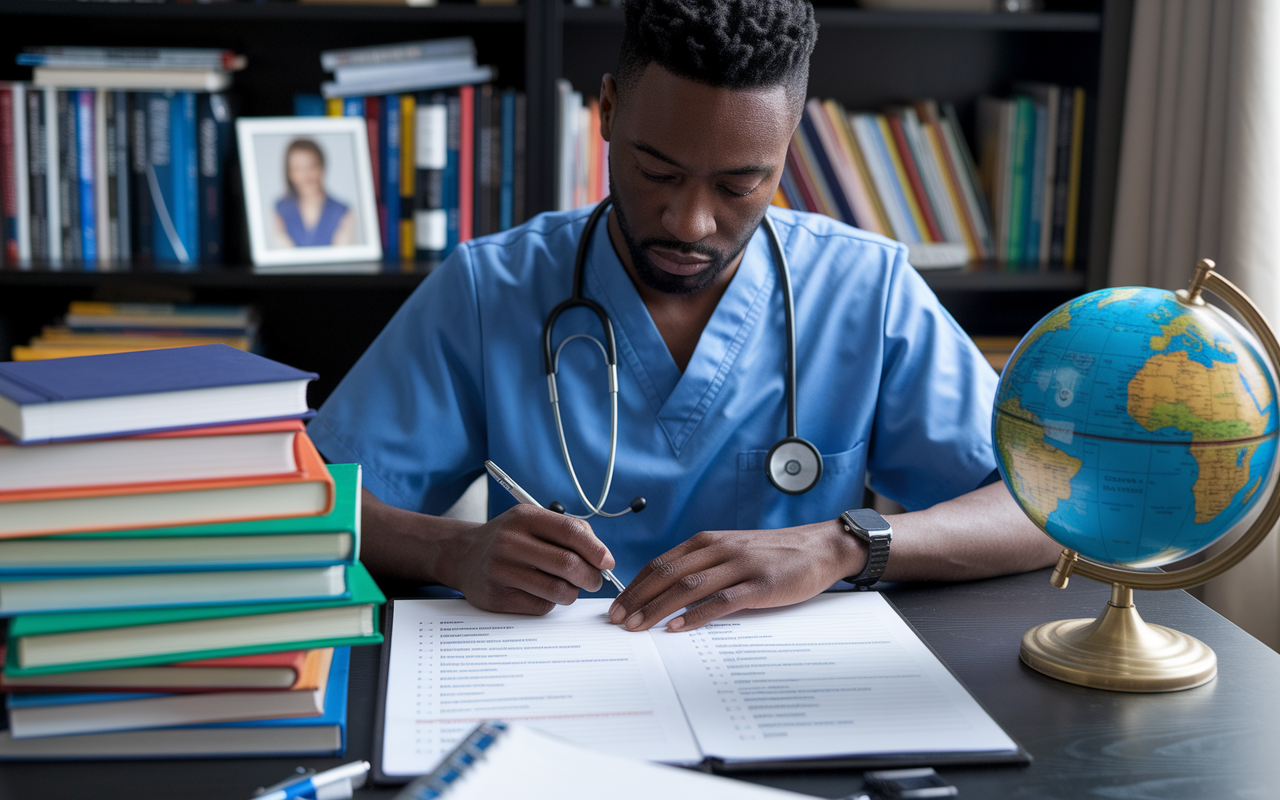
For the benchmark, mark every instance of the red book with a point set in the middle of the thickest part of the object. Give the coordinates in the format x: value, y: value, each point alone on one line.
x: 466, y: 162
x: 913, y: 175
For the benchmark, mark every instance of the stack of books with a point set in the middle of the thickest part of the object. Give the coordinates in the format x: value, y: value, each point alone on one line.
x: 99, y: 156
x: 94, y: 328
x: 1032, y: 149
x: 180, y: 567
x: 447, y: 149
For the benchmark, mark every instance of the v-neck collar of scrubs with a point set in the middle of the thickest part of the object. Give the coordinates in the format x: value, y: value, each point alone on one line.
x: 680, y: 401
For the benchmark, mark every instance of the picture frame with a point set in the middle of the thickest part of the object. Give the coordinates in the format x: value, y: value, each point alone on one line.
x: 308, y: 190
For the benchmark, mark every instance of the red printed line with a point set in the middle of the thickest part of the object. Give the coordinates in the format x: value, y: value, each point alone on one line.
x: 550, y: 716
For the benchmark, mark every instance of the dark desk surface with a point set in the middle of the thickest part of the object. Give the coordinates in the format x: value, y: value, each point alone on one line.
x: 1218, y: 741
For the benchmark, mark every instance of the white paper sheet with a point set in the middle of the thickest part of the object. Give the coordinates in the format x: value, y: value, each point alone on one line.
x: 570, y: 673
x: 839, y: 674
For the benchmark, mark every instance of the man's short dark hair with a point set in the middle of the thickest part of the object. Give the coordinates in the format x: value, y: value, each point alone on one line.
x: 736, y: 44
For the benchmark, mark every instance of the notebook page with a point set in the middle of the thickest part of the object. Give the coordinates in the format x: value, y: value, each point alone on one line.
x: 840, y: 674
x: 569, y: 673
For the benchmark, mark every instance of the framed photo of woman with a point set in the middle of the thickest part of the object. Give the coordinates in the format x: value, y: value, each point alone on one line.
x: 308, y: 190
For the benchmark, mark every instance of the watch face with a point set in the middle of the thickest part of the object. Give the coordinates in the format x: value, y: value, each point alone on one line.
x: 869, y: 520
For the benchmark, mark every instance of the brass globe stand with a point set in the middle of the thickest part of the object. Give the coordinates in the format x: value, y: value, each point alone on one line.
x: 1118, y: 650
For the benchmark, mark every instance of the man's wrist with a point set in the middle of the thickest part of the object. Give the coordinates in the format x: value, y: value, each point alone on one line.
x: 850, y: 552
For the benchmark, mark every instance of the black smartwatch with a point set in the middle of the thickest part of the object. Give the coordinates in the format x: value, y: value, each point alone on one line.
x: 876, y: 532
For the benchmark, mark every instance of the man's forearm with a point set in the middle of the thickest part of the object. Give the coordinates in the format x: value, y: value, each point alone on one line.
x: 977, y: 535
x: 405, y: 544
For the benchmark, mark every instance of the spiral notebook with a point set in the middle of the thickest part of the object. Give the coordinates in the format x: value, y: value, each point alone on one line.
x: 499, y: 759
x: 840, y: 680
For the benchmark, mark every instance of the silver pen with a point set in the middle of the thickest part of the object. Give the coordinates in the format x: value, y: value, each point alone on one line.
x: 524, y: 497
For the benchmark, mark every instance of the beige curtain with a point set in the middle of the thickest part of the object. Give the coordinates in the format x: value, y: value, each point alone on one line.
x: 1200, y: 176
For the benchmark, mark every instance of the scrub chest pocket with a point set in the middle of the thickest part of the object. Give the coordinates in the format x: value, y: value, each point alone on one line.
x: 761, y: 506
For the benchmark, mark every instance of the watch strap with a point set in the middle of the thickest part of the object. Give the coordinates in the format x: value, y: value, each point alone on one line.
x: 877, y: 551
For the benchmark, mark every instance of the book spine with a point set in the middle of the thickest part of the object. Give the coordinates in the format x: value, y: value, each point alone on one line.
x: 38, y: 186
x: 8, y: 179
x: 371, y: 108
x: 333, y: 107
x: 431, y: 157
x: 1020, y: 194
x: 1073, y: 184
x: 807, y: 162
x: 69, y: 177
x: 873, y: 147
x: 466, y: 161
x: 167, y: 243
x: 53, y: 176
x: 139, y: 185
x: 945, y: 211
x: 902, y: 184
x: 22, y: 172
x: 1050, y: 172
x: 408, y: 175
x: 1004, y: 181
x: 827, y: 173
x: 101, y: 178
x: 214, y: 133
x: 391, y: 177
x: 951, y: 185
x: 1035, y: 179
x: 913, y: 186
x: 519, y: 167
x: 451, y: 183
x: 483, y: 132
x: 186, y: 186
x: 976, y: 200
x: 122, y: 237
x: 860, y: 165
x: 495, y: 162
x: 506, y: 201
x: 1062, y: 174
x: 85, y: 153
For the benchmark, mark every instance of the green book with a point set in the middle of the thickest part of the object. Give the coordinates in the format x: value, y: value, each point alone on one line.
x: 1024, y: 139
x: 271, y: 543
x: 43, y: 644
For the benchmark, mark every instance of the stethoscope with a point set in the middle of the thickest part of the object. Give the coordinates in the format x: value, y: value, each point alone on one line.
x: 793, y: 464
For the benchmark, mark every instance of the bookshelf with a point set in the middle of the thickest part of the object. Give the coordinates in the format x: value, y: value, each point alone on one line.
x: 864, y: 58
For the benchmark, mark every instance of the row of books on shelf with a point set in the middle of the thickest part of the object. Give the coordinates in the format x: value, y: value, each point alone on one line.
x: 97, y: 328
x: 907, y: 173
x: 179, y: 567
x: 98, y: 177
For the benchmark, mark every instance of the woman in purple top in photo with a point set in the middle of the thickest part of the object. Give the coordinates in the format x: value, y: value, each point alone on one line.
x: 308, y: 216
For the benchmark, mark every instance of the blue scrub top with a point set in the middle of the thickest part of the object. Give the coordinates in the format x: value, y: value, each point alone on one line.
x: 889, y: 386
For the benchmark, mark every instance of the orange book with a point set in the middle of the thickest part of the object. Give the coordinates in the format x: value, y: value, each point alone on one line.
x: 299, y: 670
x: 36, y: 512
x: 595, y: 160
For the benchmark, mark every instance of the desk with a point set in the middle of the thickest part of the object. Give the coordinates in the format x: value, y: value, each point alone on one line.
x: 1218, y: 741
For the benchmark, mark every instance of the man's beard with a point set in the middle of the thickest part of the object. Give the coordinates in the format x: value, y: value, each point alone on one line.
x: 660, y: 280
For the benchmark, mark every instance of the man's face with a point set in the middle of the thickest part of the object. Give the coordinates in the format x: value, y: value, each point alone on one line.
x: 692, y: 169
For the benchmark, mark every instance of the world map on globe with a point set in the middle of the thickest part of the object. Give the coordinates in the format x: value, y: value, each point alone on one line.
x: 1134, y: 429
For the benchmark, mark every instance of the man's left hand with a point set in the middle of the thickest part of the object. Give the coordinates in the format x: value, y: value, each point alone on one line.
x: 726, y: 571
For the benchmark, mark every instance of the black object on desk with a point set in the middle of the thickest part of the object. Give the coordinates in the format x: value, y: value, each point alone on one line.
x: 1215, y: 741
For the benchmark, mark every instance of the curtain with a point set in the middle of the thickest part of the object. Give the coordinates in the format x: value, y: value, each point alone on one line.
x: 1200, y: 177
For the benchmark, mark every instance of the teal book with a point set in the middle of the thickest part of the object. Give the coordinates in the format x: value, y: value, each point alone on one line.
x: 1023, y: 162
x: 44, y: 644
x: 291, y: 542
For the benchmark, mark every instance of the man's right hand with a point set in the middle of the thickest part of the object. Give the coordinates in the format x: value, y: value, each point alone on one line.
x: 526, y: 560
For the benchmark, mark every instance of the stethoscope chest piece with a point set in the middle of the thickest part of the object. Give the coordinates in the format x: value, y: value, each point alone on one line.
x: 793, y: 465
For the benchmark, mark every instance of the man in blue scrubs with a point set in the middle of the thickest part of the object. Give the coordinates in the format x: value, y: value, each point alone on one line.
x: 890, y: 390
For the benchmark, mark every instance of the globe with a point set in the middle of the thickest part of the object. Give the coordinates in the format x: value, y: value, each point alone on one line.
x: 1136, y: 429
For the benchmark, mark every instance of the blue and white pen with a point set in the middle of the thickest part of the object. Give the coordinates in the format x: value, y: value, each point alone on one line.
x: 527, y: 499
x: 338, y: 783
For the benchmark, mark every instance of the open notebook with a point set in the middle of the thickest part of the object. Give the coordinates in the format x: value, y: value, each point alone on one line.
x: 840, y: 680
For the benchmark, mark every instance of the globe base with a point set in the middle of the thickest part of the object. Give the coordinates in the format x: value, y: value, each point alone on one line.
x: 1119, y: 651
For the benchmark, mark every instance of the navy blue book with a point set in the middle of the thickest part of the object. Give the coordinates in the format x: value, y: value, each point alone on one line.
x: 128, y: 393
x: 85, y: 159
x: 507, y: 190
x: 141, y: 235
x: 325, y: 735
x: 452, y: 172
x: 390, y: 167
x: 213, y: 143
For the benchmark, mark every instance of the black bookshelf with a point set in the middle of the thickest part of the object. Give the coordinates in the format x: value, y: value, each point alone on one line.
x: 865, y: 58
